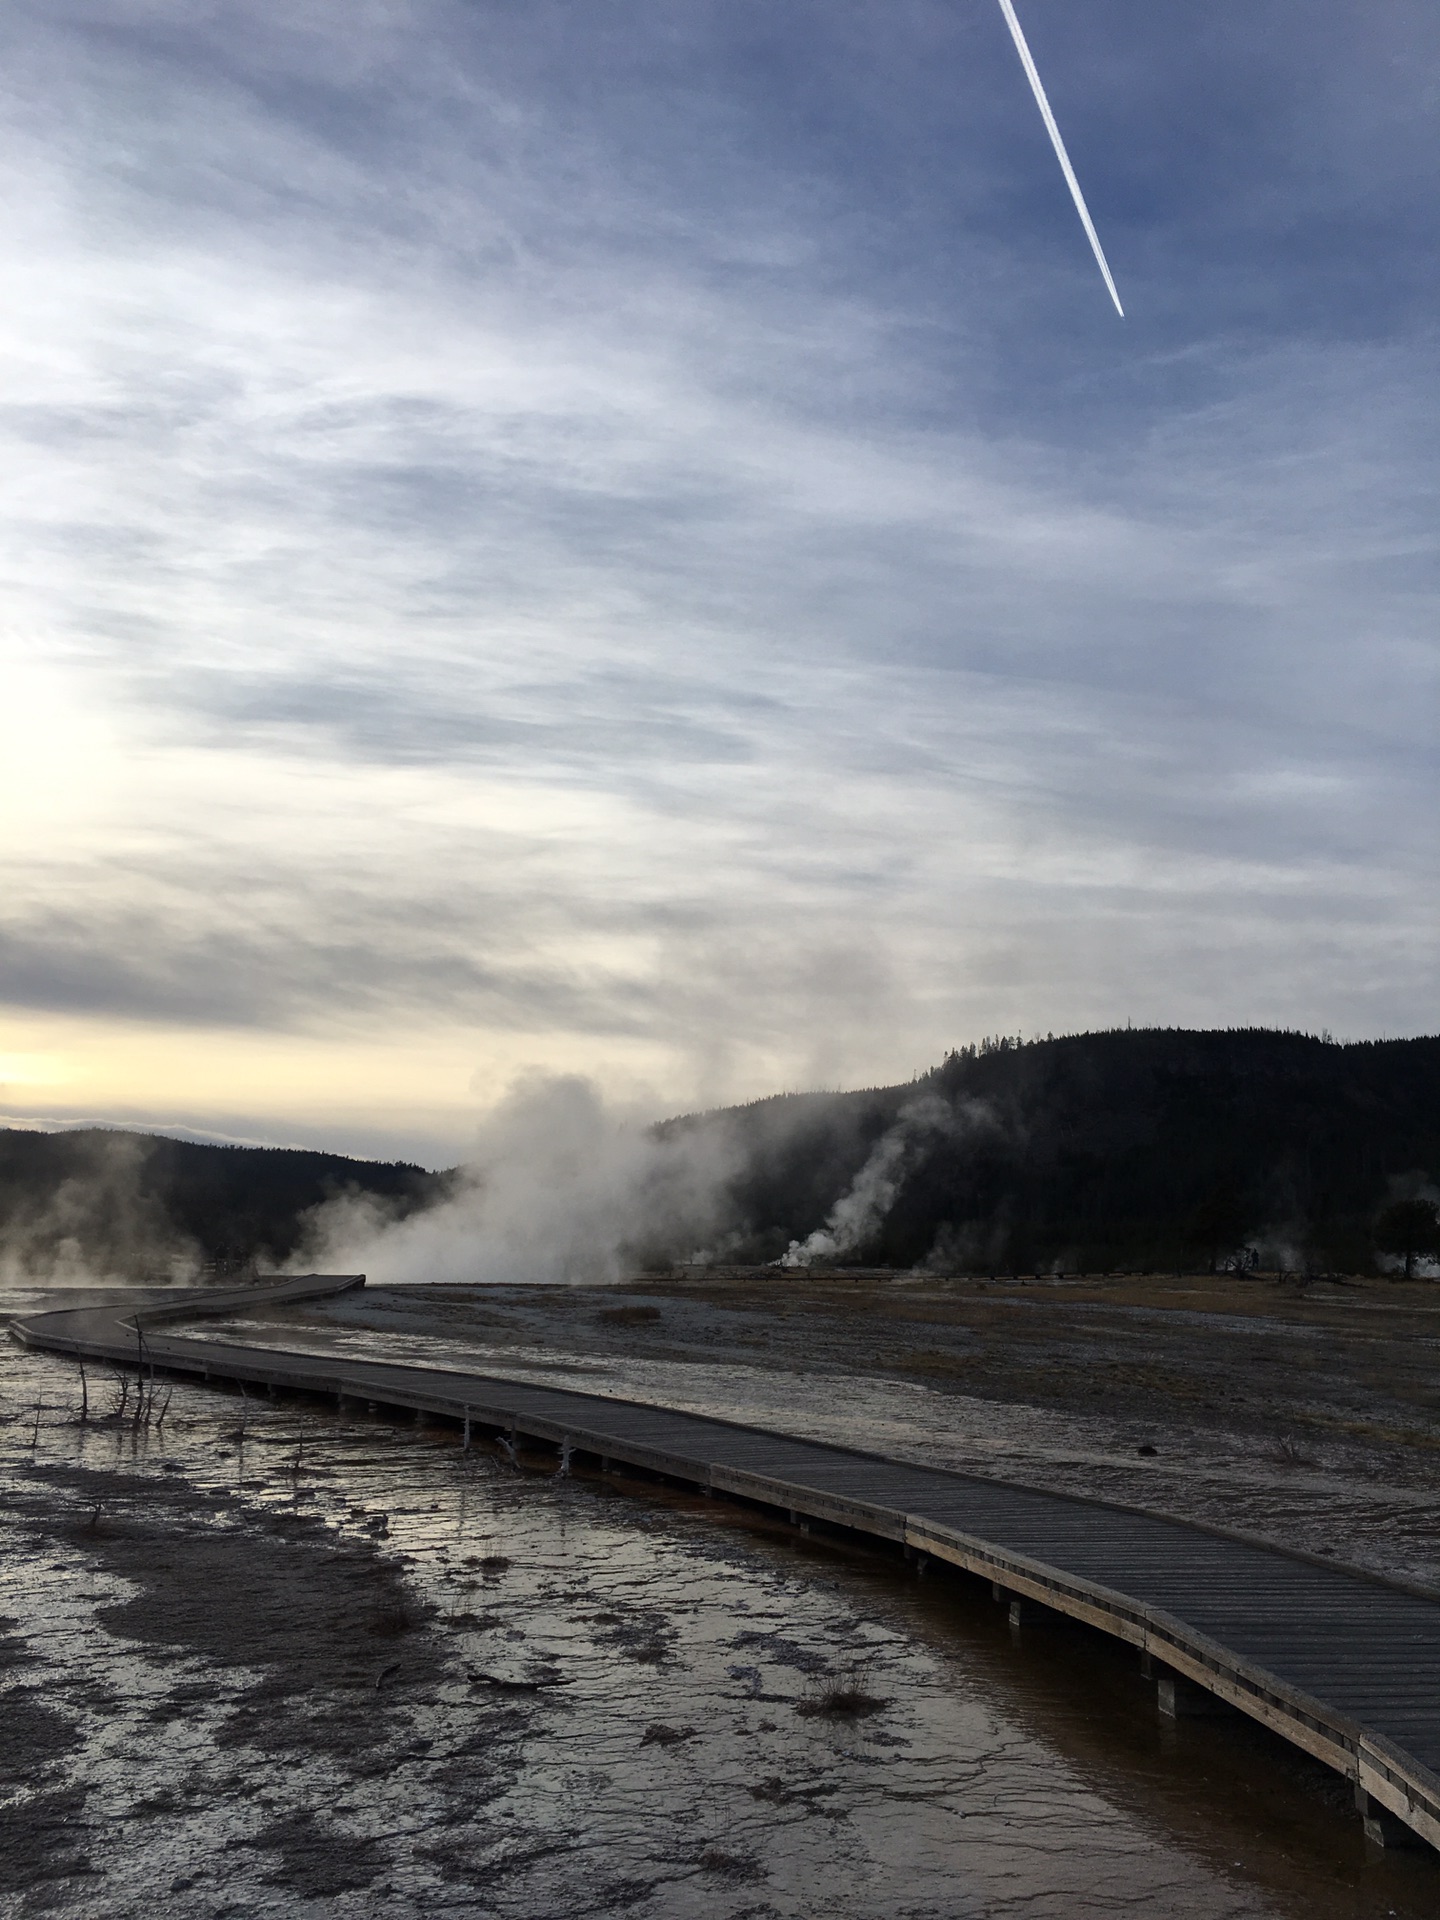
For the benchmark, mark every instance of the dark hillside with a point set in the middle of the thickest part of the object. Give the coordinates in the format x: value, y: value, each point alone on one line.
x: 1136, y: 1150
x: 128, y: 1203
x: 1129, y: 1149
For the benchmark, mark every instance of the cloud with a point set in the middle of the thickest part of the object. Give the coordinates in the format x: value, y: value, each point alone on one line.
x: 648, y: 539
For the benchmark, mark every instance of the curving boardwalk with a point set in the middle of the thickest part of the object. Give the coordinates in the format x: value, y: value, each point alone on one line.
x: 1343, y: 1664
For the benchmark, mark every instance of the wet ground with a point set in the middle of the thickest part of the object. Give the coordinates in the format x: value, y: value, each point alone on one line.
x: 258, y: 1659
x: 1309, y: 1417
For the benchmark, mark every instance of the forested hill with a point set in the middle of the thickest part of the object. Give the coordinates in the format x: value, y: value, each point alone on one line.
x: 1095, y: 1151
x: 1151, y: 1149
x: 130, y: 1205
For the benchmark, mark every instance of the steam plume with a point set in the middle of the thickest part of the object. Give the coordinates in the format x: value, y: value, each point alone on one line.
x: 101, y: 1223
x: 560, y: 1190
x: 858, y: 1214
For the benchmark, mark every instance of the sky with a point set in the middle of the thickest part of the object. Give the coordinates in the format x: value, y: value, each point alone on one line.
x: 626, y: 538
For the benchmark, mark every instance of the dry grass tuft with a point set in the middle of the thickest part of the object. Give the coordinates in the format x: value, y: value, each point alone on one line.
x: 731, y: 1866
x: 465, y: 1622
x: 841, y: 1697
x: 659, y: 1735
x: 391, y: 1621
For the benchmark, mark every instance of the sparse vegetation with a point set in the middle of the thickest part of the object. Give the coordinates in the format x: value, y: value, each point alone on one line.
x: 731, y: 1866
x: 1409, y: 1230
x: 841, y: 1697
x: 392, y: 1620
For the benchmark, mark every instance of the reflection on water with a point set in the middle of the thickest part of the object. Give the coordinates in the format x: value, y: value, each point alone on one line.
x: 585, y: 1698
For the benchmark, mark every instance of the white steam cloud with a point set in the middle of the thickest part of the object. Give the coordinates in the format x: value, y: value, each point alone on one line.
x: 561, y: 1190
x: 99, y: 1225
x: 858, y: 1214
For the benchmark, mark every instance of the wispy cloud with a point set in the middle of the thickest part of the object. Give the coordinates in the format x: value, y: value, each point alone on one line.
x: 513, y: 530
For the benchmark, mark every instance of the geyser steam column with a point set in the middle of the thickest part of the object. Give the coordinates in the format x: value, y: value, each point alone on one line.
x: 1032, y: 74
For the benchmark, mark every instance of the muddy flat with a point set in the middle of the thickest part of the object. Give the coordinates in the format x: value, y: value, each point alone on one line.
x: 1306, y: 1415
x: 265, y: 1659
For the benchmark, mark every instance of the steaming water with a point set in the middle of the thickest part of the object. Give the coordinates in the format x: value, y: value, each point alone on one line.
x: 574, y: 1618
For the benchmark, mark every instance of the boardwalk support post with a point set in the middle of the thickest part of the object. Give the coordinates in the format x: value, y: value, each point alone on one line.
x: 1180, y: 1699
x: 1383, y: 1828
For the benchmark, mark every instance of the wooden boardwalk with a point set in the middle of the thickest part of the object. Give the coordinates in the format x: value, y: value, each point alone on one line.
x: 1343, y: 1664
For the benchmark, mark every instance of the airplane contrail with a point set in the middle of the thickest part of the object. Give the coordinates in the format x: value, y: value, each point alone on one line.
x: 1032, y: 74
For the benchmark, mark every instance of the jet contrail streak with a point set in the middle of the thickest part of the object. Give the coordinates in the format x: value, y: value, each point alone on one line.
x: 1032, y: 74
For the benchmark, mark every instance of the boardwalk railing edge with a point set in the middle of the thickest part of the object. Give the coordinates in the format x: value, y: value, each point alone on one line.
x: 1380, y: 1769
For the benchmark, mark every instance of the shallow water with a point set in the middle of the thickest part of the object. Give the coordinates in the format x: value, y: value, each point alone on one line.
x: 610, y: 1709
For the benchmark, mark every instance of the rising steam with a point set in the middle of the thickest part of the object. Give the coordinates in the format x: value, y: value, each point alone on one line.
x: 102, y: 1223
x: 560, y: 1189
x: 859, y: 1213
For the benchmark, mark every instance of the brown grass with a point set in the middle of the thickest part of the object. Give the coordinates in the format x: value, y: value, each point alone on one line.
x: 628, y: 1316
x: 731, y: 1866
x: 659, y: 1735
x: 841, y: 1697
x: 391, y: 1621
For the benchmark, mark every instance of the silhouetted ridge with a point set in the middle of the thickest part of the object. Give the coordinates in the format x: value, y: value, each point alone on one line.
x: 125, y: 1203
x: 1145, y: 1148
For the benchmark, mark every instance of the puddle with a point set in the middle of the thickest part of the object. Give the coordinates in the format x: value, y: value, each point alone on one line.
x: 268, y: 1660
